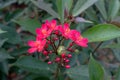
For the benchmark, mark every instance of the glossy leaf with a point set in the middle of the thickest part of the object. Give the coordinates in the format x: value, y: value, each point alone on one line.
x: 112, y: 46
x: 82, y: 5
x: 68, y: 4
x: 29, y: 24
x: 4, y: 55
x: 91, y: 14
x: 7, y: 3
x: 116, y: 53
x: 78, y: 73
x: 1, y: 31
x: 44, y: 6
x: 60, y: 8
x: 2, y: 41
x: 33, y: 65
x: 102, y: 32
x: 96, y: 71
x: 100, y: 4
x: 12, y: 36
x: 4, y: 67
x: 118, y: 74
x: 114, y: 7
x: 19, y: 51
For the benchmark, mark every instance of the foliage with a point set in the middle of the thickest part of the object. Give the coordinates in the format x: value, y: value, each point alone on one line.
x: 97, y: 20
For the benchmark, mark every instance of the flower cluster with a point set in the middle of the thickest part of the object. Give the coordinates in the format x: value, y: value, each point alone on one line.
x: 51, y: 35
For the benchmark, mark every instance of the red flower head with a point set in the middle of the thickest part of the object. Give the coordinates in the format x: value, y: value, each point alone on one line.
x: 51, y: 35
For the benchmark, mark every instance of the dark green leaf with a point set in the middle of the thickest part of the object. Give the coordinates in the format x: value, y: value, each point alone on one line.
x: 96, y: 71
x: 60, y: 8
x: 6, y: 3
x: 102, y: 32
x: 33, y: 65
x: 4, y: 55
x: 20, y: 51
x: 82, y: 5
x: 78, y: 73
x: 4, y: 67
x: 32, y: 76
x: 116, y: 53
x: 112, y: 46
x: 2, y: 41
x: 101, y: 7
x: 47, y: 7
x: 29, y: 24
x: 113, y: 8
x: 118, y: 74
x: 91, y: 14
x: 68, y: 4
x: 1, y: 31
x: 11, y: 34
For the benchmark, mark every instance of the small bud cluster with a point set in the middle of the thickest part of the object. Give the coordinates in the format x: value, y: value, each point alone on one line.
x: 50, y: 39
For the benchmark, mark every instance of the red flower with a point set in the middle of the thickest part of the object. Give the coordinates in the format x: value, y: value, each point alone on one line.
x: 43, y: 32
x: 65, y: 30
x: 51, y: 24
x: 37, y: 45
x: 46, y: 29
x: 77, y: 38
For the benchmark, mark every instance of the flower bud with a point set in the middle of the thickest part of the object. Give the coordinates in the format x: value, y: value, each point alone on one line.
x: 57, y: 59
x: 69, y: 56
x: 67, y: 66
x: 60, y: 50
x: 77, y: 51
x: 45, y: 53
x: 49, y: 62
x: 67, y: 60
x: 56, y: 32
x: 63, y: 55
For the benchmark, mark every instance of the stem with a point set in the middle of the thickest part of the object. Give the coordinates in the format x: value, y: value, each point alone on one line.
x: 60, y: 42
x: 57, y: 72
x: 96, y: 48
x: 53, y: 45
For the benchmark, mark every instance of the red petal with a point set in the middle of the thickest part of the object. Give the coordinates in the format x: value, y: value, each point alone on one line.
x: 32, y: 50
x: 31, y: 43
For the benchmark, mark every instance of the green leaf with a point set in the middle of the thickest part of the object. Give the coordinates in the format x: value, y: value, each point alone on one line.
x: 4, y: 67
x: 102, y: 32
x: 91, y: 14
x: 78, y: 73
x: 112, y: 46
x: 2, y: 41
x: 101, y: 7
x: 45, y: 6
x: 60, y: 8
x: 4, y: 55
x: 96, y: 71
x: 118, y: 74
x: 1, y: 31
x: 32, y: 76
x: 114, y: 7
x: 12, y: 36
x: 19, y: 51
x: 29, y: 24
x: 33, y: 65
x: 116, y: 53
x: 82, y: 5
x: 68, y: 4
x: 6, y: 3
